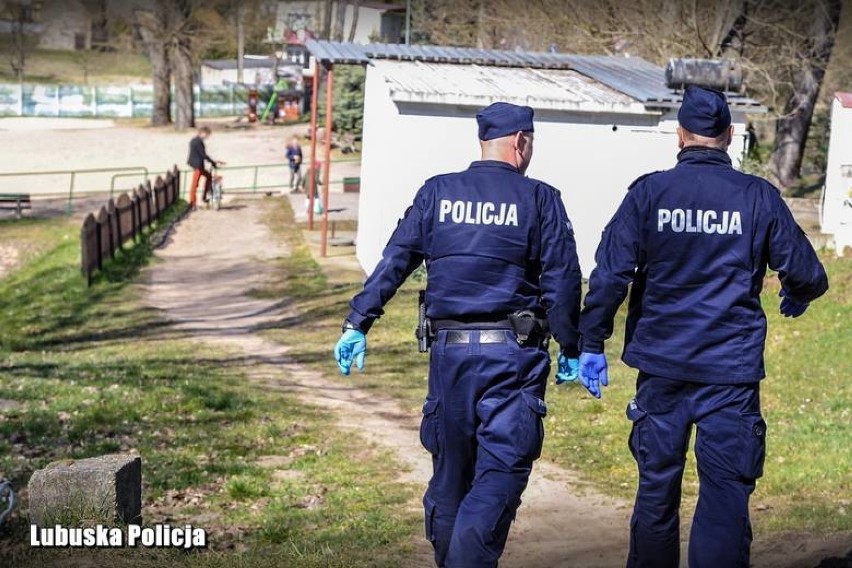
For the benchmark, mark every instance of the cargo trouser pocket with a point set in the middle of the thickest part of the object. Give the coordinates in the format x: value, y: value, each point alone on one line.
x: 753, y: 440
x: 532, y: 412
x: 429, y: 427
x: 636, y: 415
x: 429, y: 510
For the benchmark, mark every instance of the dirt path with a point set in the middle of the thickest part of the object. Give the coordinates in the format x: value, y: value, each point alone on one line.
x: 201, y: 285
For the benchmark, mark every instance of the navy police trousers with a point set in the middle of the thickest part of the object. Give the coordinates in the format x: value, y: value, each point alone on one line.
x: 482, y: 423
x: 729, y: 449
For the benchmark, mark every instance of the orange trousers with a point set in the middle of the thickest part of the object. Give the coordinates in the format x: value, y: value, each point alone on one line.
x: 193, y: 188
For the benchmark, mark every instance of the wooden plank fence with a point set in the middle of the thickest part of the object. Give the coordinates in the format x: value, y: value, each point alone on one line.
x: 123, y: 219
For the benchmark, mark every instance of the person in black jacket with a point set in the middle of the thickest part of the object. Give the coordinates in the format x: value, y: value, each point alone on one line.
x: 198, y: 157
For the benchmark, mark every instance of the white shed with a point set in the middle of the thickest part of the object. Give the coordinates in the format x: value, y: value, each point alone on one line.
x: 837, y: 205
x: 600, y: 122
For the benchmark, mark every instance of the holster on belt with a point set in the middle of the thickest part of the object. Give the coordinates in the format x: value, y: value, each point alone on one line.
x: 424, y: 326
x: 528, y: 328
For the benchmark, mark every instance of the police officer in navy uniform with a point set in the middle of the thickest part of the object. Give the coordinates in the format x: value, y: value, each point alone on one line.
x: 503, y: 275
x: 695, y: 242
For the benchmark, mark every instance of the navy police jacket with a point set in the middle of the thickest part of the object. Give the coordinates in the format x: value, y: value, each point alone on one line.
x: 494, y: 242
x: 695, y: 241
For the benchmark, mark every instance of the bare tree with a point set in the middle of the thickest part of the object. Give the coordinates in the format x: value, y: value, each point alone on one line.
x: 783, y: 45
x: 181, y: 31
x: 152, y: 28
x: 241, y: 38
x: 791, y: 131
x: 339, y: 20
x: 18, y: 55
x: 327, y: 15
x: 356, y: 10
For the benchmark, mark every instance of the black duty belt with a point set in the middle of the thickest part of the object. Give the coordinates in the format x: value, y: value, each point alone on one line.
x: 439, y: 324
x: 485, y: 336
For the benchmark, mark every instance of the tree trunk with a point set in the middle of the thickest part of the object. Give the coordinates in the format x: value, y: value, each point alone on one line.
x: 356, y: 9
x: 241, y: 40
x: 791, y: 130
x: 734, y: 40
x: 340, y: 20
x: 327, y: 14
x: 152, y: 29
x: 181, y: 58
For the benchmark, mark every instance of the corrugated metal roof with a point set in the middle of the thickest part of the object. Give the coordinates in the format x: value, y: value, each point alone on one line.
x: 643, y: 80
x: 248, y: 63
x: 351, y: 53
x: 478, y: 85
x: 337, y: 52
x: 632, y: 76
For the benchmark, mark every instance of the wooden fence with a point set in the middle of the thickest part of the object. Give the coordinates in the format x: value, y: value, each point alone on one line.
x: 123, y: 219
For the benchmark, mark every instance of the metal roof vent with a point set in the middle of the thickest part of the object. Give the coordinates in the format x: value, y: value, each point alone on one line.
x: 722, y: 75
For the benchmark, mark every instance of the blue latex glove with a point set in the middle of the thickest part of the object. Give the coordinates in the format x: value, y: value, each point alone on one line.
x: 568, y: 371
x: 789, y: 308
x: 352, y: 346
x: 593, y: 372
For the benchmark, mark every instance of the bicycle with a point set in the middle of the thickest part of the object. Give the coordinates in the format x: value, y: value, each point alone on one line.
x: 216, y: 191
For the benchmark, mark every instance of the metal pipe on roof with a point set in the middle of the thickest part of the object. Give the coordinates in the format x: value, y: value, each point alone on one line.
x: 329, y: 86
x: 312, y: 172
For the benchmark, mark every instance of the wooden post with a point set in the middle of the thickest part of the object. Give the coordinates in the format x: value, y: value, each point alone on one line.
x: 312, y: 173
x: 110, y: 209
x: 89, y: 245
x: 117, y: 240
x: 149, y: 193
x: 329, y: 86
x: 134, y: 216
x: 103, y: 225
x: 126, y: 222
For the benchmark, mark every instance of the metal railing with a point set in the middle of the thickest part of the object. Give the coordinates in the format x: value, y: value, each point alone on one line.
x: 142, y: 172
x: 73, y: 176
x: 250, y: 178
x: 258, y: 182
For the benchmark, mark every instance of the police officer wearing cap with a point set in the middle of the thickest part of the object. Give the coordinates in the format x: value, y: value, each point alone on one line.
x: 695, y: 242
x: 503, y: 276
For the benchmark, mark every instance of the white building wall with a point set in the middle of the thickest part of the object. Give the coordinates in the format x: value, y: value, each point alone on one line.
x: 307, y: 14
x: 213, y: 77
x: 591, y: 163
x: 62, y: 22
x: 369, y: 24
x: 838, y: 188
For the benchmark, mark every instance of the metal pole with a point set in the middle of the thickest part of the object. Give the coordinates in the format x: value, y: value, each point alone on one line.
x: 312, y: 172
x: 408, y: 22
x: 241, y: 41
x: 69, y: 207
x: 329, y: 85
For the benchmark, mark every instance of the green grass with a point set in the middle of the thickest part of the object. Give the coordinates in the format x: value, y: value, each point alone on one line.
x: 87, y: 371
x: 77, y: 67
x: 806, y: 398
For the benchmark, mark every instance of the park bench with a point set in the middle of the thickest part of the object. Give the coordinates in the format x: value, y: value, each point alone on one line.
x: 16, y: 201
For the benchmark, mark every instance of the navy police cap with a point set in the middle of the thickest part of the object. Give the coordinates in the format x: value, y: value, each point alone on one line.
x: 704, y: 112
x: 504, y: 119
